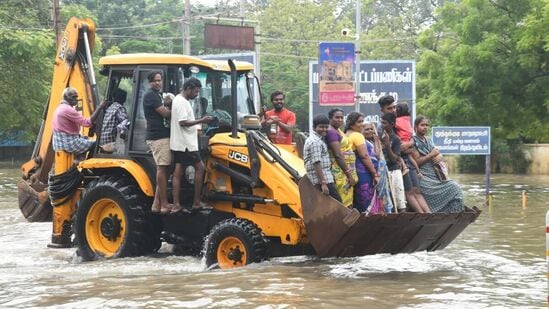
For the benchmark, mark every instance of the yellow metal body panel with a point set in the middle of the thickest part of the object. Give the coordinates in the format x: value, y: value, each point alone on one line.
x: 167, y: 59
x: 290, y: 230
x: 282, y: 189
x: 278, y: 185
x: 138, y: 173
x: 62, y: 212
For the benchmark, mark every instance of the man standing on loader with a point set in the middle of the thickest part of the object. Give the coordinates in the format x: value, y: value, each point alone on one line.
x: 184, y: 142
x: 158, y: 139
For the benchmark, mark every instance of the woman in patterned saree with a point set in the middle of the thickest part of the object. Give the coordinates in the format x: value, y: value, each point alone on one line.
x: 441, y: 195
x: 366, y: 172
x: 342, y: 157
x: 383, y: 202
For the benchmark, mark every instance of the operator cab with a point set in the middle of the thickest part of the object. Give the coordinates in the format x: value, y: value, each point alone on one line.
x: 129, y: 73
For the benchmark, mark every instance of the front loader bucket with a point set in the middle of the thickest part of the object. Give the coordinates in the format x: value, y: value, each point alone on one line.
x: 335, y: 230
x: 34, y: 201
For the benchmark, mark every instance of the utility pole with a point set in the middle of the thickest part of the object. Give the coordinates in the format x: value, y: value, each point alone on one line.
x: 257, y: 35
x: 56, y: 22
x: 185, y: 23
x: 242, y: 8
x: 357, y: 56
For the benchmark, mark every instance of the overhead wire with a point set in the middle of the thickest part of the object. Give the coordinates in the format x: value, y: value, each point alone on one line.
x: 107, y: 36
x: 174, y: 20
x: 287, y: 55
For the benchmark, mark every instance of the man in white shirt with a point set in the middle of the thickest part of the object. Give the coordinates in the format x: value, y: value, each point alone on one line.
x: 184, y: 143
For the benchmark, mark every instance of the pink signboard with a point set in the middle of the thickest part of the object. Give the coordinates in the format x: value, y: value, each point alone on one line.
x: 336, y: 85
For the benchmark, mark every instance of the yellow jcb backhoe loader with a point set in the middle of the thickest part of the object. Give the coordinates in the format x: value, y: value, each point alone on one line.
x: 262, y: 205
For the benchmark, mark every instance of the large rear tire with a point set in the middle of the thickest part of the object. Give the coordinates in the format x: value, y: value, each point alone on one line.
x: 113, y: 220
x: 235, y: 243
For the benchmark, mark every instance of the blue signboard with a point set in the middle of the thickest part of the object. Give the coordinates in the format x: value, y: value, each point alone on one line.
x: 462, y: 140
x: 377, y: 78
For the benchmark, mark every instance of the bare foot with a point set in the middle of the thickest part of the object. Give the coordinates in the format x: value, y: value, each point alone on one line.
x: 155, y: 208
x: 166, y: 209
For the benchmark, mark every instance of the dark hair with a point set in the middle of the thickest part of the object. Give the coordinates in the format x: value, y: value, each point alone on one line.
x: 419, y: 119
x: 119, y: 95
x: 386, y: 100
x: 320, y: 119
x: 332, y: 112
x: 352, y: 118
x: 389, y: 117
x: 275, y: 93
x: 191, y: 83
x: 402, y: 109
x: 152, y: 75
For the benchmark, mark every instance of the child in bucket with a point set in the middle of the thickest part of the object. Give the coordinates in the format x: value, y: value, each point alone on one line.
x: 410, y: 175
x: 404, y: 131
x: 317, y: 160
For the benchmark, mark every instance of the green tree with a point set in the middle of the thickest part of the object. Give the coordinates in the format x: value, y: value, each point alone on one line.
x: 480, y: 68
x: 26, y: 53
x: 485, y: 63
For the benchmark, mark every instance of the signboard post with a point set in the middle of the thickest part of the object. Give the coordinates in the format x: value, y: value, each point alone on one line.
x: 465, y: 141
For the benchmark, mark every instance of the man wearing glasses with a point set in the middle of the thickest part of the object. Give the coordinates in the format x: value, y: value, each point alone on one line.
x: 67, y: 123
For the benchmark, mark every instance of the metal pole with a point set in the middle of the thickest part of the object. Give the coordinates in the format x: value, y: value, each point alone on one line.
x: 487, y: 170
x: 242, y: 8
x: 357, y: 56
x: 547, y: 249
x: 257, y: 39
x: 186, y: 28
x: 257, y: 69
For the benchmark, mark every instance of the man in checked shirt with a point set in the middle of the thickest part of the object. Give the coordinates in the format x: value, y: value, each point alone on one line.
x: 114, y: 121
x: 316, y: 158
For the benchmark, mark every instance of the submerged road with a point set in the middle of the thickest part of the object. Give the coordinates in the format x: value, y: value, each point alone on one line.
x: 498, y: 261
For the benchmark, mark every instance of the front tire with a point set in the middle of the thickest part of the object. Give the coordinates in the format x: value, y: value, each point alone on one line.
x: 235, y: 243
x: 113, y: 220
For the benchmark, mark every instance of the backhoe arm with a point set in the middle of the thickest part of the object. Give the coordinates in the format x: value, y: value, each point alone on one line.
x: 72, y: 68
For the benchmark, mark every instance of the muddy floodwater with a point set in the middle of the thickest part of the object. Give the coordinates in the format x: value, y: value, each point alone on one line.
x: 497, y: 262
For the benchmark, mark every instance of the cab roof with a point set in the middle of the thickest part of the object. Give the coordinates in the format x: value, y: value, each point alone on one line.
x: 167, y: 59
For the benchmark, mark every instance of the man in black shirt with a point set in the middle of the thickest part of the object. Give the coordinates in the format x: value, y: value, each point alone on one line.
x: 391, y: 151
x: 157, y: 115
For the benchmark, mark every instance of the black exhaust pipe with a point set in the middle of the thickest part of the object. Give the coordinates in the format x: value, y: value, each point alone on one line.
x: 234, y: 101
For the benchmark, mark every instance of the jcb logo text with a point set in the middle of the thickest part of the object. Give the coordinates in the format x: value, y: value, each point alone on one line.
x: 238, y: 156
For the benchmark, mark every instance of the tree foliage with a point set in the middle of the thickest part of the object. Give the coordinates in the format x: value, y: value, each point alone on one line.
x: 485, y: 63
x: 479, y: 62
x: 26, y: 57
